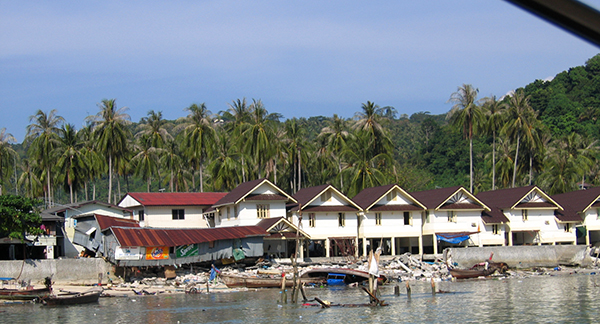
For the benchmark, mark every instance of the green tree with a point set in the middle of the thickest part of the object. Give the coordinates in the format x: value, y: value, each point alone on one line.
x: 19, y: 216
x: 42, y: 133
x: 28, y: 180
x: 7, y: 155
x: 111, y: 134
x: 362, y: 167
x: 336, y: 135
x: 198, y: 137
x: 146, y: 160
x: 494, y: 110
x: 71, y: 161
x: 259, y: 136
x: 519, y: 123
x: 225, y: 166
x: 466, y: 114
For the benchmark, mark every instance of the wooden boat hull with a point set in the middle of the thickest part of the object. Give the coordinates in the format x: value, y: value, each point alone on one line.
x: 24, y: 294
x: 352, y: 275
x: 73, y: 299
x: 232, y: 281
x: 479, y: 270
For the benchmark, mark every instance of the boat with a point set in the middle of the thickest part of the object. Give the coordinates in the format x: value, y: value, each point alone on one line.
x: 24, y: 294
x: 90, y: 296
x: 479, y: 270
x: 351, y: 275
x: 236, y: 281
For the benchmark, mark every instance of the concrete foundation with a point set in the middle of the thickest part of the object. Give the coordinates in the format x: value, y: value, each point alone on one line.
x: 521, y: 257
x: 84, y: 271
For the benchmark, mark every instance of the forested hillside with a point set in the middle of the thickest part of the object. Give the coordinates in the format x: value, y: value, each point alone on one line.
x: 545, y: 133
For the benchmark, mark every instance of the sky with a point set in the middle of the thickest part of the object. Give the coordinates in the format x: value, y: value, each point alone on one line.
x: 301, y: 58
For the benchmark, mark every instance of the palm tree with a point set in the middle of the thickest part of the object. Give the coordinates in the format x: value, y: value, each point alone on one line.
x: 7, y: 155
x: 362, y: 167
x: 198, y: 137
x: 111, y: 133
x: 145, y: 162
x: 519, y: 123
x: 337, y: 136
x: 295, y: 142
x: 154, y: 128
x: 494, y: 111
x: 259, y: 135
x: 28, y: 180
x: 466, y: 114
x: 224, y: 167
x: 71, y: 160
x: 237, y: 121
x: 172, y: 160
x: 370, y: 121
x: 94, y: 161
x: 42, y: 134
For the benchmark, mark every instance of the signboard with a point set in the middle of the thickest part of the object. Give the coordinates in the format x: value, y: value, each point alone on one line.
x: 128, y: 253
x: 186, y: 250
x: 157, y: 253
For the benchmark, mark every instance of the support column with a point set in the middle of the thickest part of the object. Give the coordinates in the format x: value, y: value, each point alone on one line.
x: 301, y: 250
x: 434, y: 243
x: 364, y: 247
x: 510, y: 238
x: 327, y: 246
x: 393, y: 247
x: 587, y: 237
x: 421, y: 245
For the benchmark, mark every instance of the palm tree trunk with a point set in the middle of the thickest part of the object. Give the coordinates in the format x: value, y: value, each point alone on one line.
x: 171, y: 180
x: 471, y: 164
x: 109, y: 176
x: 243, y: 170
x: 340, y: 173
x: 530, y: 169
x: 148, y: 184
x: 494, y: 160
x: 201, y: 178
x: 515, y: 165
x: 71, y: 192
x: 299, y: 171
x: 50, y: 204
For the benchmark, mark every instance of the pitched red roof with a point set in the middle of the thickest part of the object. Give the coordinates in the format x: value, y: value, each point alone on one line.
x: 177, y: 198
x: 243, y: 190
x: 504, y: 198
x: 435, y: 197
x: 108, y: 221
x: 305, y: 195
x: 148, y: 237
x: 494, y: 216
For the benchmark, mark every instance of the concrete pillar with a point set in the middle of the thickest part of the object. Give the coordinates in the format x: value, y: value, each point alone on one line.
x: 434, y: 244
x: 510, y: 238
x: 587, y: 237
x: 327, y: 246
x: 421, y: 244
x: 393, y: 247
x: 364, y: 247
x: 301, y: 242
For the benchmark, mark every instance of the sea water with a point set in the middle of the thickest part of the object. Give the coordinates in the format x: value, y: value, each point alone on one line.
x: 565, y: 298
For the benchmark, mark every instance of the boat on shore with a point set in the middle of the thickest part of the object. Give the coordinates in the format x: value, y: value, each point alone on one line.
x: 237, y: 281
x: 351, y: 275
x: 479, y: 270
x: 24, y: 294
x: 86, y: 297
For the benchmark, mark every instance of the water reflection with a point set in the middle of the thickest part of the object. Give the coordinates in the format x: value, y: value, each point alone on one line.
x: 567, y: 298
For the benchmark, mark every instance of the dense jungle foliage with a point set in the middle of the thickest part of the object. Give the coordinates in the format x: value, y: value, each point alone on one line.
x: 545, y: 133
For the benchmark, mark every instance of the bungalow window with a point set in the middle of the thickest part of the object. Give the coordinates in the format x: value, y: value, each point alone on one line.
x: 452, y: 216
x: 407, y: 218
x: 496, y: 229
x: 524, y: 214
x: 377, y: 218
x: 262, y: 210
x: 567, y: 228
x: 140, y: 215
x: 228, y: 213
x: 311, y: 219
x: 211, y: 244
x: 178, y: 214
x: 341, y: 219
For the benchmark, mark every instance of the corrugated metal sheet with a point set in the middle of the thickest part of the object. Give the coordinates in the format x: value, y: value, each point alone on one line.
x: 175, y: 237
x: 177, y: 198
x: 108, y: 221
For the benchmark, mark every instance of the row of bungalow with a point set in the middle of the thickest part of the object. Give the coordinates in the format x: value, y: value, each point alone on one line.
x: 257, y: 218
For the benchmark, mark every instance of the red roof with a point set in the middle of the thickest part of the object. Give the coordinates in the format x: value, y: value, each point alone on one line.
x: 245, y: 189
x: 147, y: 237
x: 108, y: 221
x: 368, y: 196
x: 177, y: 198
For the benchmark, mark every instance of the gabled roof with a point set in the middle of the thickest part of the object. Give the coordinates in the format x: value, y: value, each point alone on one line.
x: 176, y: 198
x: 494, y: 216
x: 440, y: 199
x: 108, y: 221
x: 149, y: 237
x: 579, y: 200
x: 304, y: 197
x: 368, y: 197
x: 280, y: 225
x: 244, y: 191
x: 62, y: 208
x: 513, y: 198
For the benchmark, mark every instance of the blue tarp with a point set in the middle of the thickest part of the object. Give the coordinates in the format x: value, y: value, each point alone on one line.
x: 452, y: 238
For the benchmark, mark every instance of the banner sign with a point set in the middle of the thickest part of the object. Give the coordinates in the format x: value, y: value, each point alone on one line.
x: 157, y: 253
x: 186, y: 250
x: 128, y: 253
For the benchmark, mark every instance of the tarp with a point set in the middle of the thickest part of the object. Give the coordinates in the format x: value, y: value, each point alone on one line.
x: 454, y: 238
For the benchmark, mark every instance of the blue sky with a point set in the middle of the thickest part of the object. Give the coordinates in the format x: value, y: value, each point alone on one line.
x: 301, y: 58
